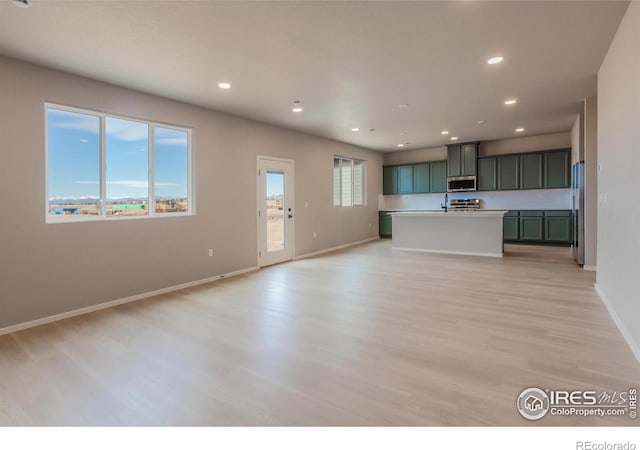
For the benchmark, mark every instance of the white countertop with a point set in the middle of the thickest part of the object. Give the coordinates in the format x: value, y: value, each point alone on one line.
x: 454, y: 213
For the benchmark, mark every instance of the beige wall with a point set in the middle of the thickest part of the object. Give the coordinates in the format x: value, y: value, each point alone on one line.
x: 487, y: 148
x: 575, y: 139
x: 414, y: 156
x: 619, y: 159
x: 591, y: 182
x: 525, y: 144
x: 54, y: 268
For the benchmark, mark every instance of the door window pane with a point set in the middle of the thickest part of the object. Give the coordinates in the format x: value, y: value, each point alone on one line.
x: 275, y: 211
x: 73, y: 157
x: 171, y: 173
x: 127, y: 171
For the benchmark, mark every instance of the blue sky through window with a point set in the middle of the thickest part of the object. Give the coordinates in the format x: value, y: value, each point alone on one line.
x: 74, y: 158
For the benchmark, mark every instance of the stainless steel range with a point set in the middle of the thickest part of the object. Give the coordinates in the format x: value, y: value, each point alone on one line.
x: 464, y: 204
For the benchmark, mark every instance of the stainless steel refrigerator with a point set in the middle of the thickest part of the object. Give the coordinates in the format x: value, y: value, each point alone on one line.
x: 577, y: 194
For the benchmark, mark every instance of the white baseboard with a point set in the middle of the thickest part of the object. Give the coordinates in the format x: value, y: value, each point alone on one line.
x: 449, y: 252
x: 333, y: 249
x: 634, y: 346
x: 88, y: 309
x: 589, y: 268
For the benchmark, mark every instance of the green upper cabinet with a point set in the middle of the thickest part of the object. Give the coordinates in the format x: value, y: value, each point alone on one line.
x: 487, y: 174
x: 397, y: 179
x: 508, y: 172
x: 469, y: 158
x: 405, y: 179
x: 421, y: 178
x: 390, y: 180
x: 461, y: 159
x: 438, y: 176
x: 557, y: 169
x: 418, y: 178
x: 454, y: 160
x: 531, y: 171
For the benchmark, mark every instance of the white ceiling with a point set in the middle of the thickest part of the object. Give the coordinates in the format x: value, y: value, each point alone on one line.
x: 350, y: 63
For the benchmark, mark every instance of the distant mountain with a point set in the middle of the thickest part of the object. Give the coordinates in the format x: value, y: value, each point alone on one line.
x: 81, y: 200
x: 87, y: 200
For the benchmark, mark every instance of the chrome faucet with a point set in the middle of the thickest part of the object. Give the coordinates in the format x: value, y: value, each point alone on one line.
x: 446, y: 200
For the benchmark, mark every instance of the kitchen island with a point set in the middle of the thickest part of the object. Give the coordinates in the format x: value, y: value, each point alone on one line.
x: 477, y: 233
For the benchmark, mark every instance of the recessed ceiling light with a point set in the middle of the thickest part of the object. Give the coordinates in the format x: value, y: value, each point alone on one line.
x: 296, y: 109
x: 519, y: 130
x: 481, y: 122
x: 454, y: 138
x: 355, y: 129
x: 511, y: 101
x: 495, y: 60
x: 84, y: 140
x: 400, y: 145
x: 403, y: 105
x: 444, y: 132
x: 22, y: 3
x: 224, y: 85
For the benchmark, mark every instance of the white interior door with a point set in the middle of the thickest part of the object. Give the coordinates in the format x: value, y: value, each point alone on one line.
x: 275, y: 210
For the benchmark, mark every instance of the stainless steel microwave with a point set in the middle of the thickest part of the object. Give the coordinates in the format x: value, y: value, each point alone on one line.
x: 461, y: 184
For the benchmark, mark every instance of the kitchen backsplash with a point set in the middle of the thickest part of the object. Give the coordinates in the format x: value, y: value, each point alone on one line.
x: 497, y: 200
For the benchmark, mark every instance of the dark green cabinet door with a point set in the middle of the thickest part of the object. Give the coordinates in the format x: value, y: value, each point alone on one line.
x: 454, y: 160
x: 421, y: 178
x: 405, y: 179
x: 510, y: 226
x: 487, y: 174
x: 390, y: 180
x: 469, y: 158
x: 384, y: 223
x: 556, y: 174
x: 438, y: 176
x: 508, y: 172
x: 531, y: 226
x: 531, y: 171
x: 557, y: 226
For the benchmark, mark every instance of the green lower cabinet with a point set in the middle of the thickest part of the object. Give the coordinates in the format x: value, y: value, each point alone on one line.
x: 557, y: 227
x: 531, y: 226
x: 510, y: 226
x: 552, y: 227
x: 384, y: 223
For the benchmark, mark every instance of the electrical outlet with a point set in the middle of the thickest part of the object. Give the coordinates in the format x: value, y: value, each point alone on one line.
x: 306, y: 204
x: 210, y: 252
x: 369, y: 225
x: 315, y: 235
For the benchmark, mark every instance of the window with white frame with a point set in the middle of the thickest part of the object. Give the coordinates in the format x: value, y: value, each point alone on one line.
x: 101, y: 166
x: 349, y: 185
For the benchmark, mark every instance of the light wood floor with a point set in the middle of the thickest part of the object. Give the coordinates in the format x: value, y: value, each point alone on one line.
x: 366, y: 336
